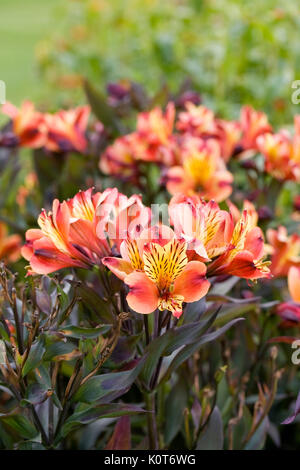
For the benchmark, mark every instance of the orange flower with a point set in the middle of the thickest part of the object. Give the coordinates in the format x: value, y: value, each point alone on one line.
x: 76, y: 232
x: 66, y: 130
x: 285, y: 250
x: 28, y: 124
x: 245, y: 254
x: 203, y: 171
x: 156, y: 126
x: 228, y: 134
x: 10, y: 245
x: 282, y: 153
x: 119, y: 158
x: 253, y: 124
x: 154, y: 133
x: 197, y: 120
x: 159, y: 274
x: 203, y: 225
x: 294, y: 283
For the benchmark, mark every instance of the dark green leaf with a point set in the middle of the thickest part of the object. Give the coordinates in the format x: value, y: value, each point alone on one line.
x: 189, y: 350
x: 212, y: 436
x: 79, y: 332
x: 88, y: 414
x: 20, y: 424
x: 35, y: 356
x: 103, y: 385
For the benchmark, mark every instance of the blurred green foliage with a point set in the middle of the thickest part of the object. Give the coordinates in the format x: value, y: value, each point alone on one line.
x: 22, y: 25
x: 235, y: 51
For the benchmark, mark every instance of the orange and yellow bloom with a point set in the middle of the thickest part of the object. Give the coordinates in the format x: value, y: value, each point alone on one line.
x: 27, y: 123
x: 294, y: 283
x: 63, y: 131
x: 282, y: 153
x: 284, y: 250
x: 81, y: 231
x: 202, y: 171
x: 159, y: 274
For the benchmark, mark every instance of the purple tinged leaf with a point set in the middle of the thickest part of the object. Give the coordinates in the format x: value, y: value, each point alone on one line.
x: 121, y: 438
x: 291, y: 418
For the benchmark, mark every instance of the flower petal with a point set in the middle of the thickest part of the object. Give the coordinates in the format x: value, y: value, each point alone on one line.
x: 192, y: 283
x: 294, y: 283
x: 143, y: 294
x: 120, y: 267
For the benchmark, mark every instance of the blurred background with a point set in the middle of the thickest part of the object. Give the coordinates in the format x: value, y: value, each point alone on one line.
x: 234, y: 51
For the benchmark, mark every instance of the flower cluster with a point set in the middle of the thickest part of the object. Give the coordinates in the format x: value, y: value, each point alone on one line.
x: 81, y: 231
x: 162, y: 266
x: 59, y: 132
x: 282, y: 153
x: 194, y: 148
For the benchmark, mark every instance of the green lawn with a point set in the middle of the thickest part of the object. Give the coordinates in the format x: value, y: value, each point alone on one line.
x: 22, y: 24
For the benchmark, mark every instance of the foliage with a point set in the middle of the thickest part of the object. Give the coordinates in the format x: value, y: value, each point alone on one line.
x: 152, y: 41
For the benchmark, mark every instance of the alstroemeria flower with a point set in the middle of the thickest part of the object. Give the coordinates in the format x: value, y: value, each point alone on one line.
x: 203, y: 171
x: 284, y: 249
x: 203, y: 225
x: 153, y: 134
x: 294, y: 283
x: 10, y: 245
x: 197, y: 120
x: 119, y: 159
x: 28, y: 124
x: 81, y: 231
x: 228, y: 134
x: 66, y: 130
x: 245, y: 254
x: 156, y: 126
x: 158, y: 273
x: 253, y: 124
x: 282, y: 153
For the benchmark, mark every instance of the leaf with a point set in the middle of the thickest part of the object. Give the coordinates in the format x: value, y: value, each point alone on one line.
x: 35, y: 356
x: 257, y: 441
x: 43, y: 301
x: 20, y: 424
x: 175, y: 405
x: 59, y: 348
x: 194, y: 310
x: 121, y: 438
x: 171, y: 340
x: 232, y: 312
x: 241, y: 428
x: 212, y: 437
x: 189, y: 350
x: 291, y: 418
x: 35, y: 394
x: 89, y: 414
x: 103, y: 385
x: 101, y: 109
x: 79, y: 332
x: 94, y: 303
x: 125, y: 349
